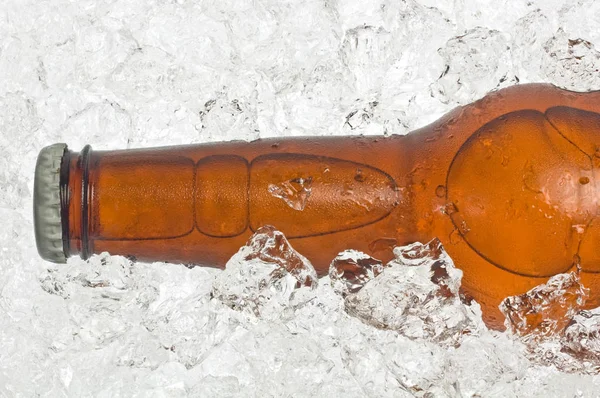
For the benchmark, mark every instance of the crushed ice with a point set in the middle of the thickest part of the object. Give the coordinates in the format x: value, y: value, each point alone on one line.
x: 416, y: 295
x: 140, y: 74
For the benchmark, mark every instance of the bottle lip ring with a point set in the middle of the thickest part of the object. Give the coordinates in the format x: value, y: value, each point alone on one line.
x: 85, y: 164
x: 47, y: 210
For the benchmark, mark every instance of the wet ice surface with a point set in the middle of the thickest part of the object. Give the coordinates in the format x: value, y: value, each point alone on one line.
x: 547, y: 309
x: 130, y: 74
x: 350, y: 270
x: 417, y: 295
x: 550, y: 321
x: 263, y: 273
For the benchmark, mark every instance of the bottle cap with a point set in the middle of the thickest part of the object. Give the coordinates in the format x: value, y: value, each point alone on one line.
x: 46, y: 204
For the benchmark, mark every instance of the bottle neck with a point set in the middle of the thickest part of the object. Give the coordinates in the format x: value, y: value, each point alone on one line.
x: 199, y: 203
x: 74, y: 199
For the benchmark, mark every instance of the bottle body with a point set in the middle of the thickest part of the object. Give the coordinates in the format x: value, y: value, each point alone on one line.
x: 508, y: 184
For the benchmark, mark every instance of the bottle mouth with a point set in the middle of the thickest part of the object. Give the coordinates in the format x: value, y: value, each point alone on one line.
x: 47, y: 203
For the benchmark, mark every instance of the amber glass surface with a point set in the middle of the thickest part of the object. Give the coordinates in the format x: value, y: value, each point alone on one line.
x: 508, y: 184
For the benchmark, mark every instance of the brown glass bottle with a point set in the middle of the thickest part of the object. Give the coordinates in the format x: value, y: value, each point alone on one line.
x: 508, y: 184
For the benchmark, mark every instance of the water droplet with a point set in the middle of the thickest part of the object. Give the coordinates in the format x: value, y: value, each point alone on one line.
x: 440, y: 191
x: 463, y: 227
x: 294, y: 192
x: 348, y: 191
x: 359, y: 176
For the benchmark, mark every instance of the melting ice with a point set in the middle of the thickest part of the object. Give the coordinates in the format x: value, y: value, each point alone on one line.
x: 417, y: 294
x: 141, y: 74
x: 263, y: 272
x: 351, y: 269
x: 554, y: 328
x: 547, y: 309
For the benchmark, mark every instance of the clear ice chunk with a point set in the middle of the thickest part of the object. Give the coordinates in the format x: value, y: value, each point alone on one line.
x: 294, y: 192
x: 548, y: 321
x: 263, y: 273
x: 417, y: 294
x: 351, y: 269
x: 581, y: 338
x: 547, y: 309
x: 418, y: 253
x: 576, y: 349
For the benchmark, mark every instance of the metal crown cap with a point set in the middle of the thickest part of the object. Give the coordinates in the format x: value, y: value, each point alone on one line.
x: 46, y: 204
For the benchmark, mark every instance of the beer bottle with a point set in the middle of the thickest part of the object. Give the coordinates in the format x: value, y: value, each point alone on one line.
x: 508, y: 184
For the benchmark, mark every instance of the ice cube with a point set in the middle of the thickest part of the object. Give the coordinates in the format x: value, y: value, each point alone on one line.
x: 581, y: 338
x: 417, y: 294
x: 546, y: 309
x: 351, y: 269
x: 418, y: 253
x: 271, y: 246
x: 267, y: 269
